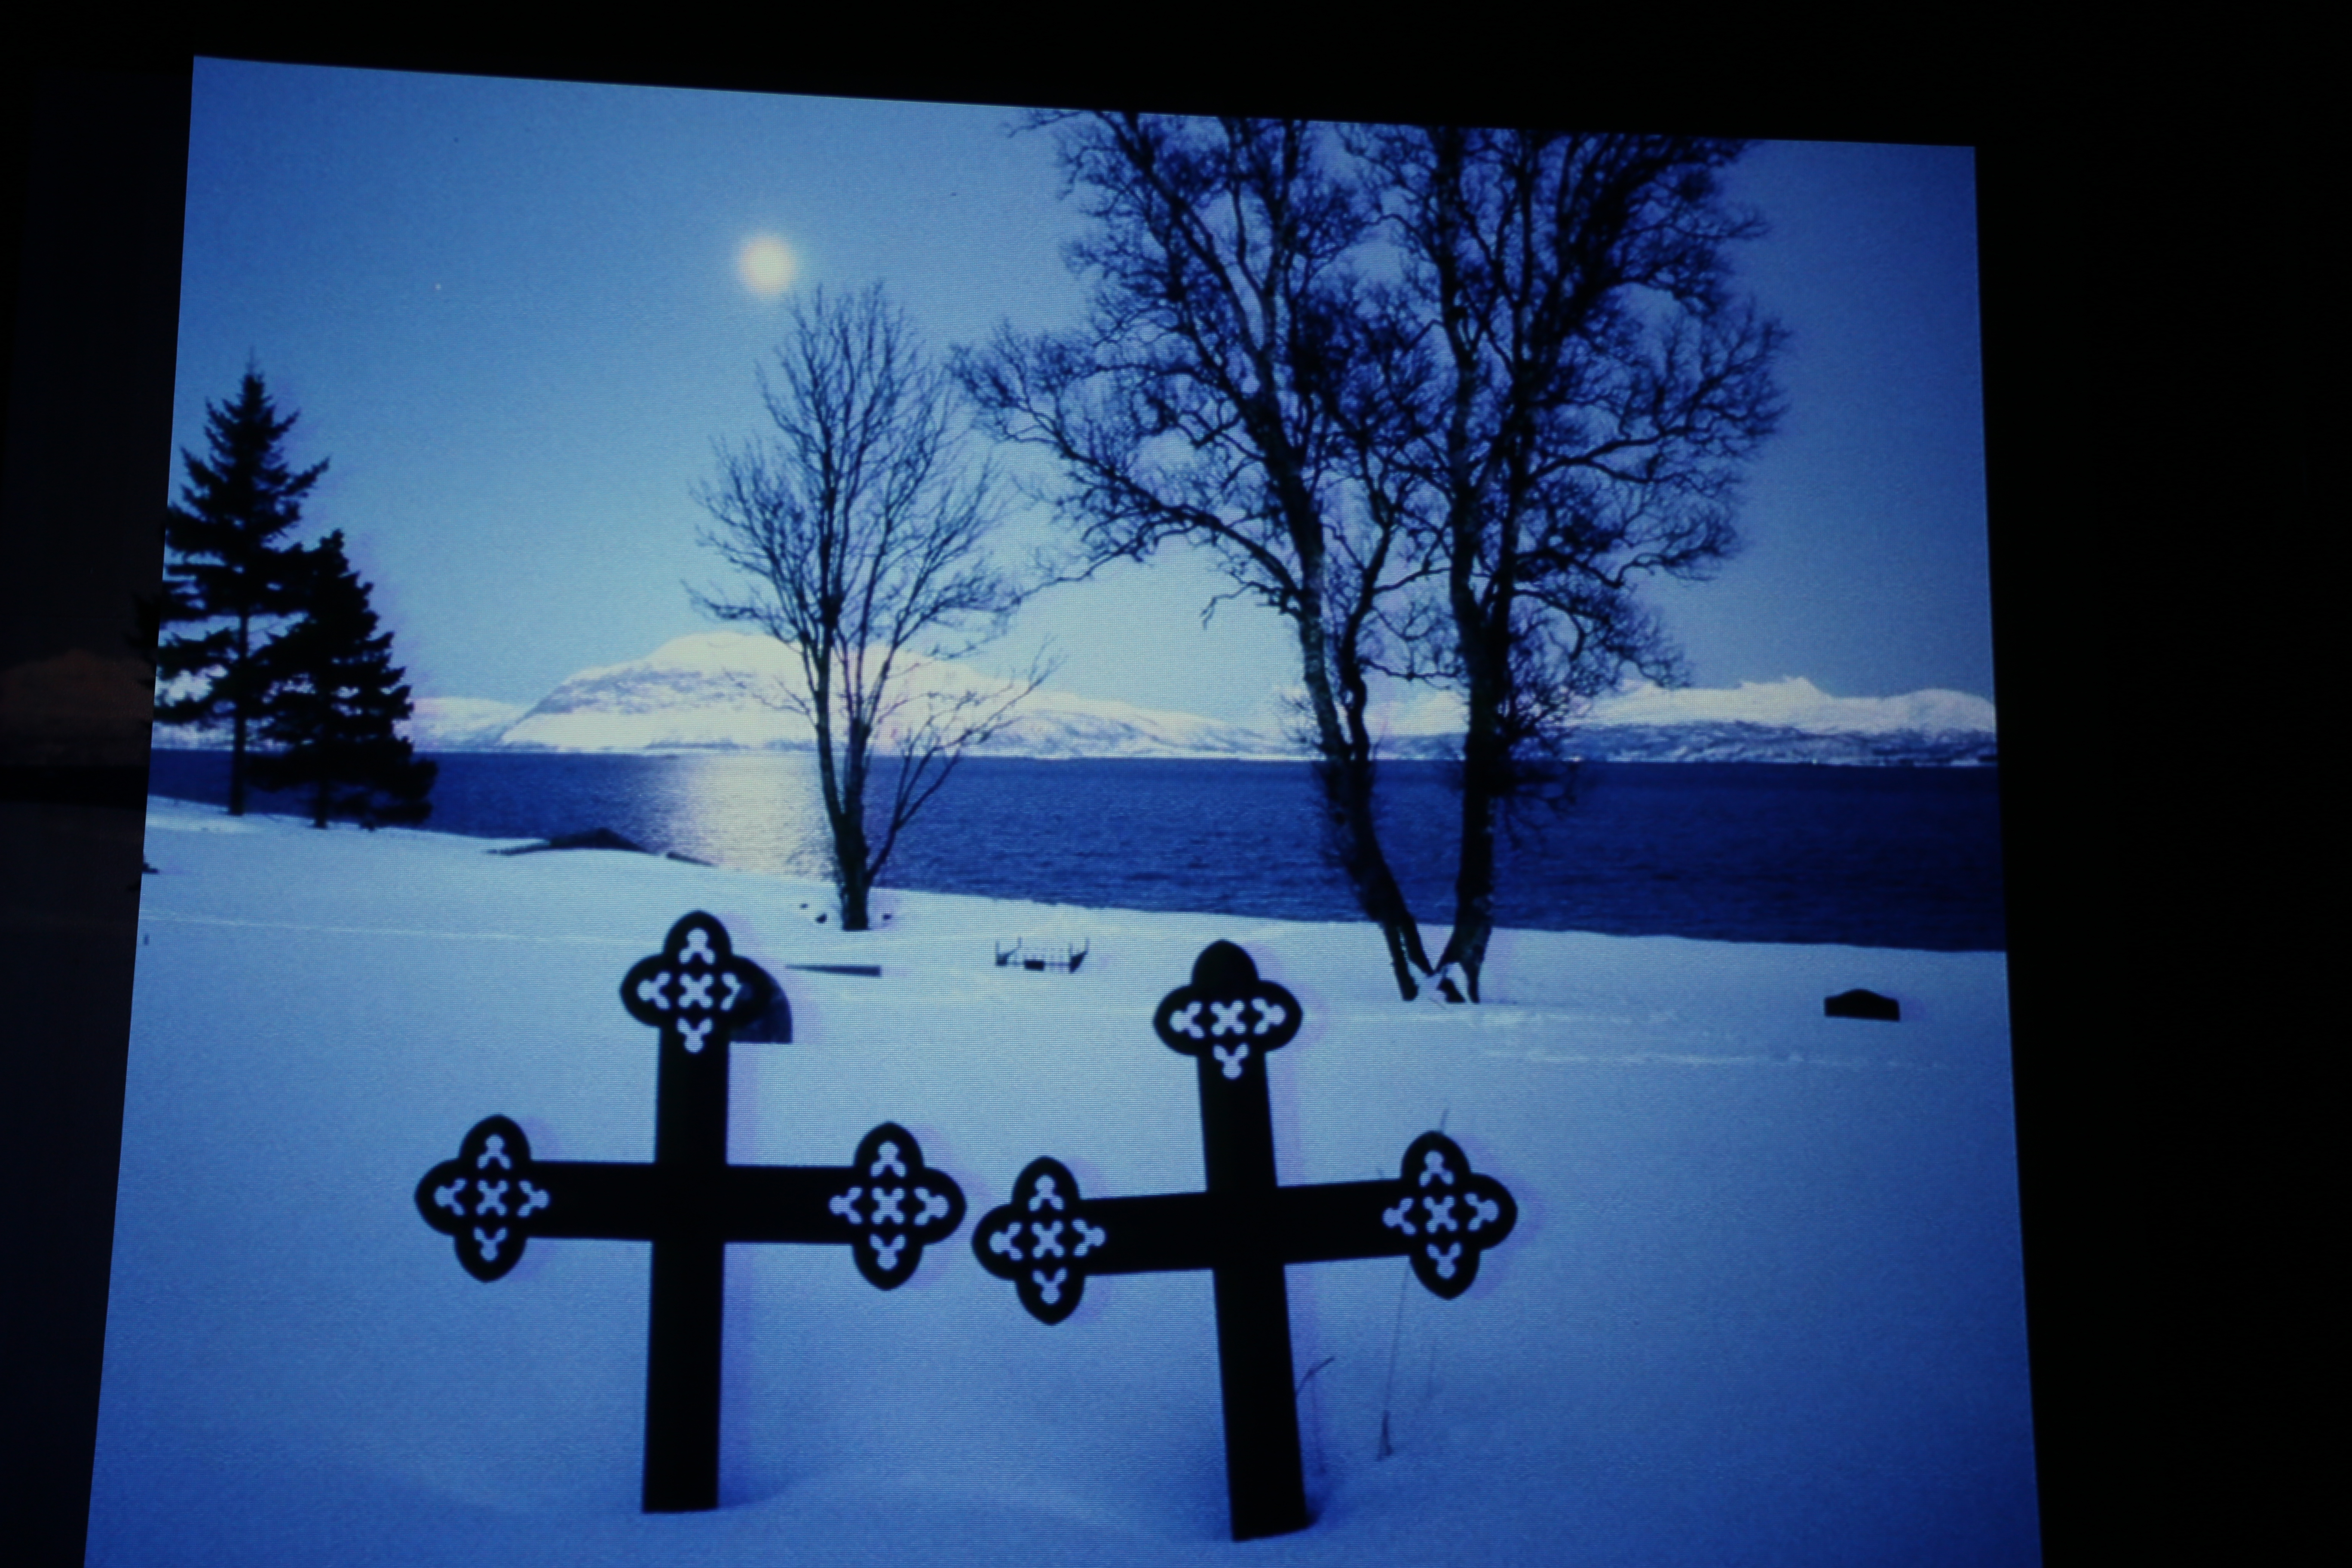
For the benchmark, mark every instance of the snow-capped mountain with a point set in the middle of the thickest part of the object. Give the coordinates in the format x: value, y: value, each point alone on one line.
x: 732, y: 691
x: 1786, y: 721
x: 439, y: 724
x: 1789, y: 720
x: 1796, y: 703
x: 460, y: 723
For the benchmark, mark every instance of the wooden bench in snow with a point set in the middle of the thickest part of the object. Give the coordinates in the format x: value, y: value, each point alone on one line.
x: 885, y: 1205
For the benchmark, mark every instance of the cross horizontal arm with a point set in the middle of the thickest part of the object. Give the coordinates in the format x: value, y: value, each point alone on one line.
x: 1051, y: 1238
x: 1334, y: 1221
x: 597, y: 1200
x: 885, y: 1205
x: 1172, y: 1231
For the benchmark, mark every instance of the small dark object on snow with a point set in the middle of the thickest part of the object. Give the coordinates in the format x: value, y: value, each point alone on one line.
x: 690, y: 1203
x: 871, y: 970
x: 1860, y: 1004
x: 594, y: 838
x: 773, y: 1027
x: 1040, y: 960
x: 688, y: 859
x: 145, y: 870
x: 1246, y: 1229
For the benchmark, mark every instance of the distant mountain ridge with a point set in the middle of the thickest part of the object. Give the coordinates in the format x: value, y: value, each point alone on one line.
x: 1707, y: 740
x: 1787, y: 720
x: 730, y: 691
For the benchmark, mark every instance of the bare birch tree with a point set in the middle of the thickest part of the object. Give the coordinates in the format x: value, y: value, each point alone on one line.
x: 858, y: 533
x: 1572, y: 389
x: 1196, y: 403
x: 1440, y: 398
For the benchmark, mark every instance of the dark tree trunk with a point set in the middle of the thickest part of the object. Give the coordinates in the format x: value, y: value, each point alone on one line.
x: 236, y: 727
x: 843, y: 785
x: 1345, y: 770
x: 1346, y: 785
x: 1483, y: 637
x: 236, y: 764
x: 856, y: 888
x: 1485, y: 762
x: 853, y: 873
x: 240, y: 709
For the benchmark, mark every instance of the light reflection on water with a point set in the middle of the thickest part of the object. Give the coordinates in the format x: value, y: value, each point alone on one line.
x: 755, y: 813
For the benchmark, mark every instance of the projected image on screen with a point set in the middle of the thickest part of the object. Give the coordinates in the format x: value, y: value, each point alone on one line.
x: 1058, y: 837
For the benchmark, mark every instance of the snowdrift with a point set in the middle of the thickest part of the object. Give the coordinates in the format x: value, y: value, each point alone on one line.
x: 1763, y: 1304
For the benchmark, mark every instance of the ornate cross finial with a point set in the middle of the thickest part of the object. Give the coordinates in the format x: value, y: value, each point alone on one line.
x: 1227, y: 1013
x: 697, y: 985
x: 1045, y: 1241
x: 487, y: 1197
x: 895, y: 1204
x: 1448, y: 1214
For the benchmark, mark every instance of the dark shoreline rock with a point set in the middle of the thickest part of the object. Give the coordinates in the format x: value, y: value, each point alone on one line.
x: 593, y: 838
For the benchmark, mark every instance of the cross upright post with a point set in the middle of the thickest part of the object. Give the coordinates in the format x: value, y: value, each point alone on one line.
x: 1245, y: 1227
x: 885, y: 1205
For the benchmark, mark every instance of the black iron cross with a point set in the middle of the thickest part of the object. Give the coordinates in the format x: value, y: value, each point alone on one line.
x: 885, y: 1205
x: 1246, y: 1228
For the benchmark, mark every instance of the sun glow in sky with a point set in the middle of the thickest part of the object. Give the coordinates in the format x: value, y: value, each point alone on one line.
x: 766, y: 265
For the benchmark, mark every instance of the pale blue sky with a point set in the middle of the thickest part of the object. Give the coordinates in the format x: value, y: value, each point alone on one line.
x: 510, y: 314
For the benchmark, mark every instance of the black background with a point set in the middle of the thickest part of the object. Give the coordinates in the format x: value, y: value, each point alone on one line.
x: 2149, y: 296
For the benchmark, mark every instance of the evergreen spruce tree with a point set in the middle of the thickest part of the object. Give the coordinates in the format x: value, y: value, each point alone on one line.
x: 333, y: 697
x: 228, y: 570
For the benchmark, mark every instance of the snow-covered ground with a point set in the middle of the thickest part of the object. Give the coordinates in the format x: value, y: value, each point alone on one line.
x: 1763, y: 1304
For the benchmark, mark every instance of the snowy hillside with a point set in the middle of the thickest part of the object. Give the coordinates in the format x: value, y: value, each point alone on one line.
x: 1796, y: 703
x: 1787, y: 720
x: 460, y: 723
x: 439, y: 724
x: 731, y: 690
x: 1763, y: 1304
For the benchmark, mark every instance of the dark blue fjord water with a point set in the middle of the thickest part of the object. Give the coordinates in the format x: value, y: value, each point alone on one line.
x: 1725, y: 851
